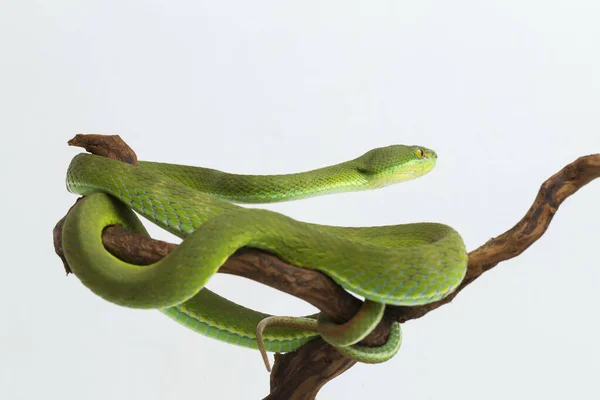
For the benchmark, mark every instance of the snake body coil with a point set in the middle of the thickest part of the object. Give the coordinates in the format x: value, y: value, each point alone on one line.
x: 409, y: 264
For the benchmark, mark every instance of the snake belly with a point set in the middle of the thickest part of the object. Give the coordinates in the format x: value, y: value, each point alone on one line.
x: 411, y: 264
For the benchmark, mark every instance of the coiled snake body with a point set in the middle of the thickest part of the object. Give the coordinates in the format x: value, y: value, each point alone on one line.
x: 410, y: 264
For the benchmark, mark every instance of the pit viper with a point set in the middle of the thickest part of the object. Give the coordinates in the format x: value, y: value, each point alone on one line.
x: 411, y: 264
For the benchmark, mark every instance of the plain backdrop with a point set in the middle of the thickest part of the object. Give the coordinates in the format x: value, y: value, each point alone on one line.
x: 507, y: 93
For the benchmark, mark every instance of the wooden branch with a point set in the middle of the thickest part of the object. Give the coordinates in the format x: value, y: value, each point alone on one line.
x: 109, y: 146
x: 299, y: 375
x: 516, y: 240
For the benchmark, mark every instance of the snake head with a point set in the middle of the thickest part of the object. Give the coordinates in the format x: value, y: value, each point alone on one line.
x: 397, y: 163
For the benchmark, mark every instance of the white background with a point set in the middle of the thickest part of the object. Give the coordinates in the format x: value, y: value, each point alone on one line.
x: 507, y: 93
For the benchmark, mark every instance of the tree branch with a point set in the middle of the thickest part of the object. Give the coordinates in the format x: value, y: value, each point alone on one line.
x: 516, y: 240
x: 299, y: 375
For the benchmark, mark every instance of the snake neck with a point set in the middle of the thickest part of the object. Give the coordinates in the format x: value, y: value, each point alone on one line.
x: 343, y: 177
x: 375, y: 169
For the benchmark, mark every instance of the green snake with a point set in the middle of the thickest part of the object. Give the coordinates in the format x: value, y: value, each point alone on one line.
x: 406, y: 265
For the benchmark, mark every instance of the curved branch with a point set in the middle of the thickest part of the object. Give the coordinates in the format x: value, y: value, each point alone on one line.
x: 300, y: 374
x: 516, y: 240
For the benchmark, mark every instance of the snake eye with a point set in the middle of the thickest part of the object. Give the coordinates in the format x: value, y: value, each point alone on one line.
x: 420, y: 153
